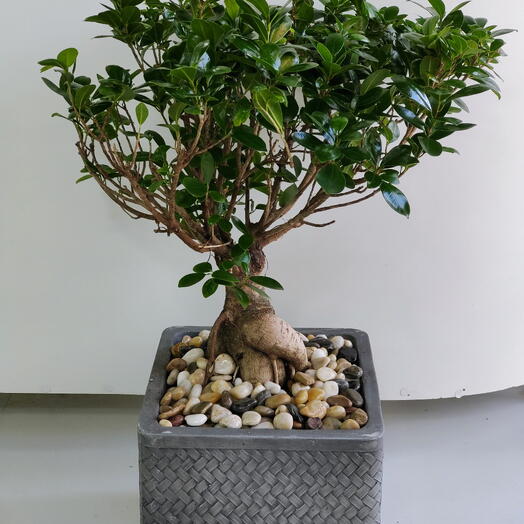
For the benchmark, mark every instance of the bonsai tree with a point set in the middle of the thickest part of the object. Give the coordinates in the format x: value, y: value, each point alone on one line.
x: 242, y: 121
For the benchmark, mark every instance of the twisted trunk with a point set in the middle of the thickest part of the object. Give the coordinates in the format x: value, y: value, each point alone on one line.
x: 263, y: 345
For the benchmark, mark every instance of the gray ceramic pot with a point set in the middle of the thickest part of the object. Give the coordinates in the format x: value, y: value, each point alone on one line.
x: 240, y: 476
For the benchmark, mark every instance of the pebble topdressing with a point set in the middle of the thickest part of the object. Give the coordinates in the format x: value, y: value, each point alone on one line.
x: 325, y: 395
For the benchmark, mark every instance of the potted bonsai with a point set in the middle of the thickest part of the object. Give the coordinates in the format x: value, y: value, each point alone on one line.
x: 239, y: 122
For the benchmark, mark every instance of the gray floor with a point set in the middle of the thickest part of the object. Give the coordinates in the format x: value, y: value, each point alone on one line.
x: 66, y: 459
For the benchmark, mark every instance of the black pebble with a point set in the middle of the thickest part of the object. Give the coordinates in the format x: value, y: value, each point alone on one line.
x: 355, y: 397
x: 293, y: 411
x: 354, y: 372
x: 350, y: 354
x: 261, y: 397
x: 241, y: 406
x: 226, y: 400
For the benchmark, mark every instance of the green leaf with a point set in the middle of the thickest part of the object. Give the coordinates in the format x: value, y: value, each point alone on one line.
x: 207, y: 166
x: 82, y: 95
x: 142, y: 112
x: 398, y: 156
x: 271, y: 283
x: 232, y: 8
x: 240, y: 225
x: 209, y: 287
x: 246, y: 137
x: 438, y: 6
x: 242, y: 297
x: 53, y: 87
x: 82, y: 178
x: 194, y: 186
x: 395, y: 198
x: 242, y: 112
x: 325, y: 53
x: 203, y: 267
x: 409, y: 116
x: 430, y: 146
x: 374, y: 80
x: 224, y: 276
x: 67, y: 57
x: 470, y: 91
x: 307, y: 140
x: 245, y: 241
x: 327, y: 153
x: 190, y: 279
x: 288, y: 195
x: 412, y: 92
x: 331, y: 179
x: 268, y: 105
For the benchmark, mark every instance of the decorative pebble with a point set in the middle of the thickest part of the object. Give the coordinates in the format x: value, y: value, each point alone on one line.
x: 226, y: 399
x: 201, y: 363
x: 193, y: 355
x: 177, y: 420
x: 350, y: 424
x: 337, y: 342
x: 277, y: 400
x: 296, y: 387
x: 295, y: 413
x: 313, y: 423
x: 330, y: 388
x: 336, y: 412
x: 231, y: 421
x: 195, y: 420
x: 349, y: 353
x: 315, y: 409
x: 217, y: 412
x: 189, y: 405
x: 360, y: 416
x: 303, y: 378
x: 219, y: 386
x: 183, y: 375
x: 272, y: 387
x: 281, y: 409
x: 324, y: 374
x: 224, y: 364
x: 265, y: 411
x: 251, y: 418
x: 243, y: 390
x: 283, y: 421
x: 171, y: 379
x: 319, y: 353
x: 196, y: 391
x: 243, y: 405
x: 301, y: 397
x: 197, y: 377
x: 212, y: 396
x: 204, y: 334
x: 354, y: 372
x: 257, y: 389
x: 237, y: 381
x: 201, y: 407
x: 264, y: 425
x: 331, y: 423
x: 227, y: 378
x: 339, y: 400
x: 165, y: 423
x: 316, y: 394
x: 355, y: 397
x: 176, y: 363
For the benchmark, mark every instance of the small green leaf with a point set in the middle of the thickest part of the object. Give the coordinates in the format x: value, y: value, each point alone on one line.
x: 325, y: 53
x: 430, y: 146
x: 374, y: 80
x: 224, y: 276
x: 203, y: 267
x: 398, y: 156
x: 327, y: 153
x: 246, y: 137
x: 245, y: 241
x: 266, y: 282
x: 307, y: 140
x: 67, y: 57
x: 141, y: 113
x: 395, y: 198
x: 438, y: 6
x: 209, y: 287
x: 409, y: 116
x: 82, y: 178
x: 288, y: 195
x: 190, y: 279
x: 471, y: 90
x: 331, y: 179
x: 194, y: 186
x: 207, y: 166
x: 242, y: 297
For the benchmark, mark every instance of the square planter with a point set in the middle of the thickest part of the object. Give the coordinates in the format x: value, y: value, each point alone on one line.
x: 192, y: 475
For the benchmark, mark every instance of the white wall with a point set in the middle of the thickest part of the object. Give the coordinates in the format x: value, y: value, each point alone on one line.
x: 85, y: 291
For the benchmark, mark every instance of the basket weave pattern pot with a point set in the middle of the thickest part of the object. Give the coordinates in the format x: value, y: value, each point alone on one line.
x: 227, y: 476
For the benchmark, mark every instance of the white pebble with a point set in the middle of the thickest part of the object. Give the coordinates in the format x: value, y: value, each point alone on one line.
x: 186, y: 339
x: 296, y: 387
x: 273, y: 388
x: 318, y: 384
x: 241, y: 391
x: 238, y: 381
x: 251, y: 418
x: 283, y: 421
x: 325, y: 374
x: 218, y: 412
x: 321, y: 362
x: 224, y: 364
x: 193, y: 355
x: 186, y: 385
x: 201, y: 363
x: 219, y: 386
x: 183, y: 375
x: 264, y: 425
x: 338, y: 341
x: 321, y: 335
x: 195, y: 420
x: 196, y: 391
x: 348, y: 343
x: 171, y: 379
x: 311, y: 372
x: 341, y: 376
x: 319, y: 353
x: 331, y: 388
x: 256, y: 390
x: 165, y: 423
x: 231, y: 421
x: 204, y: 334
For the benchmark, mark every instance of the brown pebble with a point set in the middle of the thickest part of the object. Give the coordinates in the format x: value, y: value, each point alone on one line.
x: 265, y: 411
x: 313, y: 423
x: 350, y: 424
x: 339, y: 400
x: 304, y: 378
x: 315, y: 394
x: 212, y: 396
x: 201, y: 407
x: 178, y: 393
x: 176, y: 363
x: 166, y: 399
x: 297, y: 425
x: 314, y: 409
x: 164, y: 408
x: 278, y: 400
x: 177, y: 420
x: 360, y: 416
x: 226, y: 399
x: 172, y: 412
x: 301, y: 397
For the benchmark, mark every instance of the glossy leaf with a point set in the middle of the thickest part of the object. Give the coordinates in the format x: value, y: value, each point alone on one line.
x: 246, y: 137
x: 141, y: 113
x: 271, y: 283
x: 190, y: 280
x: 396, y: 199
x: 331, y: 179
x: 430, y: 146
x: 209, y: 287
x: 67, y: 57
